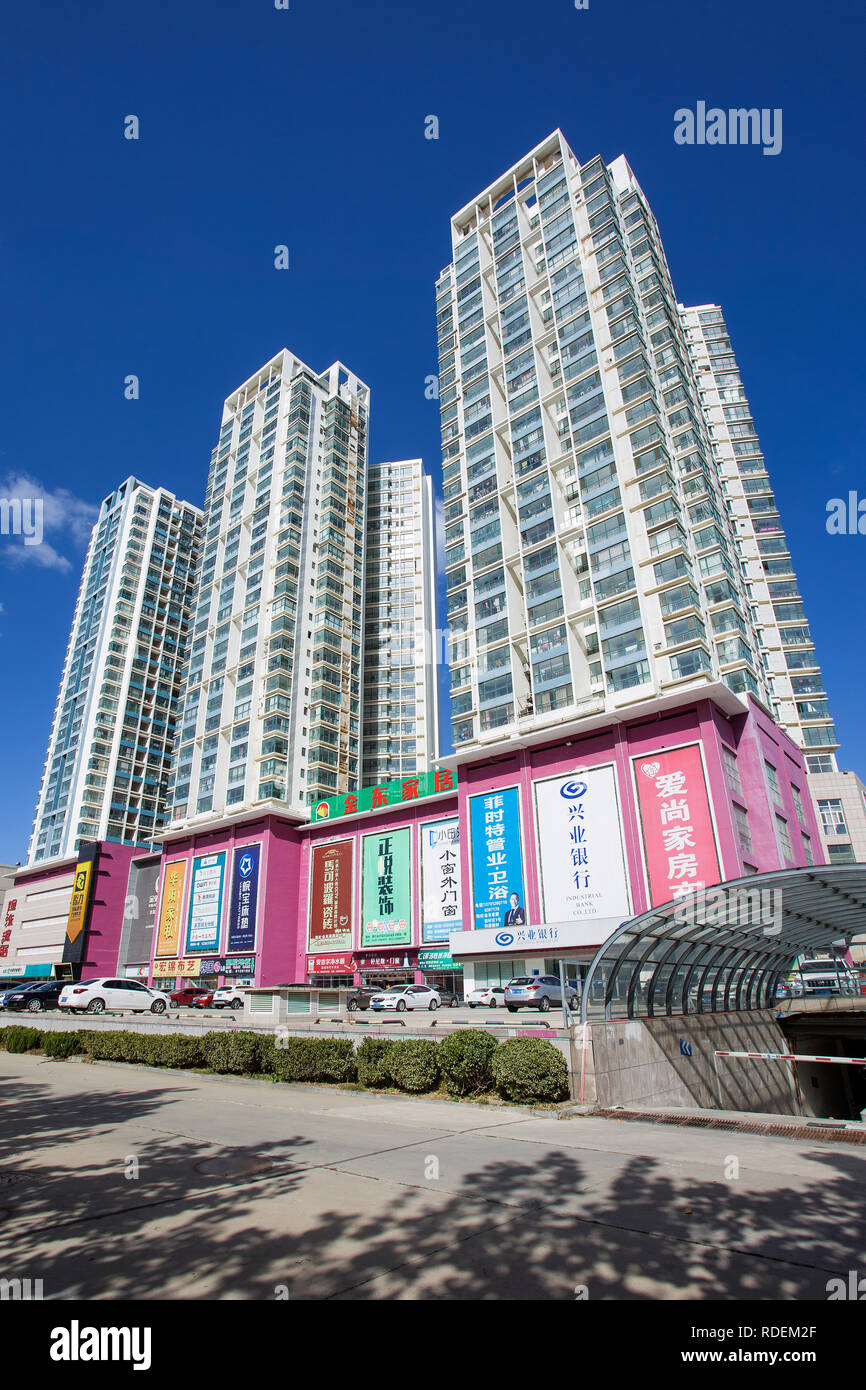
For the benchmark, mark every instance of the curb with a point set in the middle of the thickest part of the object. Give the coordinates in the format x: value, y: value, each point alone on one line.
x: 842, y: 1135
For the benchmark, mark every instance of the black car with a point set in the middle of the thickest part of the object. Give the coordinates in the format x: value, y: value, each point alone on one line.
x: 449, y: 997
x: 360, y: 996
x: 35, y: 998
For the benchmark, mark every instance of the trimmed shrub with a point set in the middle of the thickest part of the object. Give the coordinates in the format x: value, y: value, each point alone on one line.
x: 465, y: 1061
x: 414, y: 1065
x: 62, y: 1045
x: 104, y: 1046
x: 530, y: 1069
x: 22, y: 1039
x: 311, y: 1059
x: 233, y: 1053
x: 175, y: 1050
x: 372, y: 1060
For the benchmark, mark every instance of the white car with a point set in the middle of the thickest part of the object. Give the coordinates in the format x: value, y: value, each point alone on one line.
x: 491, y: 996
x: 406, y: 997
x: 229, y: 998
x: 95, y: 996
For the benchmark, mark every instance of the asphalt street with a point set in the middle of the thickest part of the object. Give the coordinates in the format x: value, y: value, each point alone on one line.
x: 119, y: 1182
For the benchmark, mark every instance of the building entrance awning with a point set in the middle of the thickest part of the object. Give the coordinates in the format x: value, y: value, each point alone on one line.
x: 725, y: 947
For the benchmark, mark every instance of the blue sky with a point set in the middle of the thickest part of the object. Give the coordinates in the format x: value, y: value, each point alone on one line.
x: 306, y: 127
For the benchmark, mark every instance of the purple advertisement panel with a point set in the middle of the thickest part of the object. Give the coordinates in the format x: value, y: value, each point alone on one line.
x: 244, y: 899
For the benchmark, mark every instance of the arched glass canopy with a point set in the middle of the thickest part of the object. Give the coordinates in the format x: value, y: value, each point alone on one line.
x: 725, y: 947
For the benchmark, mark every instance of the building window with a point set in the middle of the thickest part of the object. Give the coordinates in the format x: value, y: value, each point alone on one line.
x: 773, y: 779
x: 784, y: 838
x: 832, y: 817
x: 841, y: 854
x: 732, y: 771
x: 744, y: 834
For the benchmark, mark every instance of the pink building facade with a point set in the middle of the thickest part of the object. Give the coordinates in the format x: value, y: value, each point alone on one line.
x: 583, y: 831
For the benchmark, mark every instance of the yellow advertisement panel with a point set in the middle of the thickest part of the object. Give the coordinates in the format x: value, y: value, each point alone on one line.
x: 190, y: 968
x: 168, y: 938
x: 78, y: 905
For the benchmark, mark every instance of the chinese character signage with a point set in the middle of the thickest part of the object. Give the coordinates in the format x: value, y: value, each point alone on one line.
x: 580, y: 852
x: 205, y: 903
x: 331, y: 899
x: 679, y: 842
x: 498, y: 895
x: 415, y: 788
x: 188, y: 969
x: 168, y: 934
x: 438, y: 958
x: 6, y: 934
x: 386, y: 918
x: 440, y: 878
x: 343, y: 963
x: 244, y: 898
x: 79, y: 908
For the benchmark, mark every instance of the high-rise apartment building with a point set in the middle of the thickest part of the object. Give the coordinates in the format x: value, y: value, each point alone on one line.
x: 401, y: 707
x: 111, y: 741
x: 798, y: 699
x: 592, y: 561
x: 272, y: 686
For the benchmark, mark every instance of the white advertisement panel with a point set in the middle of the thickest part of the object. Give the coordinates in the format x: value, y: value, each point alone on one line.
x: 440, y: 879
x: 583, y: 872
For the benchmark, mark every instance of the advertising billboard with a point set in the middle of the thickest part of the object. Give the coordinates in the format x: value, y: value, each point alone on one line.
x: 331, y: 897
x: 581, y: 860
x: 679, y: 841
x: 168, y: 932
x: 205, y: 904
x: 386, y: 913
x: 498, y: 891
x: 244, y: 899
x: 440, y: 879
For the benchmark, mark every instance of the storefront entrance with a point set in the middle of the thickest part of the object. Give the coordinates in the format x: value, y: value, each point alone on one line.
x: 451, y: 980
x: 381, y: 979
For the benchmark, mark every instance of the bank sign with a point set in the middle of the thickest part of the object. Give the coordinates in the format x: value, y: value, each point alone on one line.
x: 433, y: 783
x: 583, y: 873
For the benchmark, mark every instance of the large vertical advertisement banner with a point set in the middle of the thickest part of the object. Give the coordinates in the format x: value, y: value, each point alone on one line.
x: 168, y: 932
x: 386, y: 894
x: 139, y: 914
x: 80, y: 905
x: 498, y: 894
x: 331, y: 897
x: 244, y: 899
x: 583, y: 872
x: 678, y: 836
x: 205, y: 904
x: 440, y: 879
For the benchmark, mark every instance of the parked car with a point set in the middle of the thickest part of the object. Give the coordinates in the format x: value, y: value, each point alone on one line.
x: 537, y: 992
x: 204, y: 1000
x: 184, y: 997
x: 229, y: 998
x: 491, y: 997
x: 95, y: 996
x: 35, y: 998
x: 406, y: 997
x: 12, y: 985
x: 449, y: 997
x: 360, y: 996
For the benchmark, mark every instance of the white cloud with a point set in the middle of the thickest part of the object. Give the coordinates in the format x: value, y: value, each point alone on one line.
x: 66, y: 519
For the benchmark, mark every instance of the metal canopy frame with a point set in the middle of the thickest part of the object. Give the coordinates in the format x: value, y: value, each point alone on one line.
x: 659, y: 963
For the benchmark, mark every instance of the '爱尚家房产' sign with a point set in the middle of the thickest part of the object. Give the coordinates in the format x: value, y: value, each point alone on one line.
x: 415, y: 788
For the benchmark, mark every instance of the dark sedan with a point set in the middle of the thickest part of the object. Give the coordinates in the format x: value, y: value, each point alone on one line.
x: 36, y: 998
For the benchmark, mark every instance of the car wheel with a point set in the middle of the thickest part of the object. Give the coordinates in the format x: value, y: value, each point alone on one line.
x: 492, y: 1004
x: 433, y: 1005
x: 34, y: 1006
x: 172, y: 1003
x: 158, y: 1006
x: 352, y: 1005
x: 401, y: 1006
x: 237, y: 1003
x: 512, y: 1008
x: 544, y: 1004
x: 96, y: 1006
x: 472, y: 1006
x: 454, y: 1002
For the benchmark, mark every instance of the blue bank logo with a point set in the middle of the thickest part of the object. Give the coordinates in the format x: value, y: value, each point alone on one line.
x: 504, y: 938
x: 572, y: 790
x: 245, y: 867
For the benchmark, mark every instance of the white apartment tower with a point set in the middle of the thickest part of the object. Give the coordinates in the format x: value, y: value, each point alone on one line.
x: 591, y: 559
x: 798, y: 699
x: 401, y: 707
x: 107, y: 766
x: 272, y: 688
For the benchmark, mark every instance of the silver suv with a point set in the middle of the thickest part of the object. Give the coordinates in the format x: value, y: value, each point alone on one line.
x: 537, y: 992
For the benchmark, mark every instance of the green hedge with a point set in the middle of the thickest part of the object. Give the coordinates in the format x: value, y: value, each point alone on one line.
x: 469, y: 1063
x: 530, y: 1069
x: 466, y: 1062
x: 414, y: 1065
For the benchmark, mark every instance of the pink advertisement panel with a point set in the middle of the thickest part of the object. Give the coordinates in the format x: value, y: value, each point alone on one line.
x: 678, y: 836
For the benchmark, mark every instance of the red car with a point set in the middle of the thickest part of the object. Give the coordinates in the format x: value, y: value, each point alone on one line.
x: 203, y: 1000
x: 185, y: 997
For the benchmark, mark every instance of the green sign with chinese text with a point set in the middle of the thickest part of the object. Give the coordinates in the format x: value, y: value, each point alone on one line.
x: 408, y: 789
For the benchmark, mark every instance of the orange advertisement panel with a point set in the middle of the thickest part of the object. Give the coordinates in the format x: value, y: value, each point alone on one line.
x: 167, y: 937
x: 188, y: 969
x: 78, y: 905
